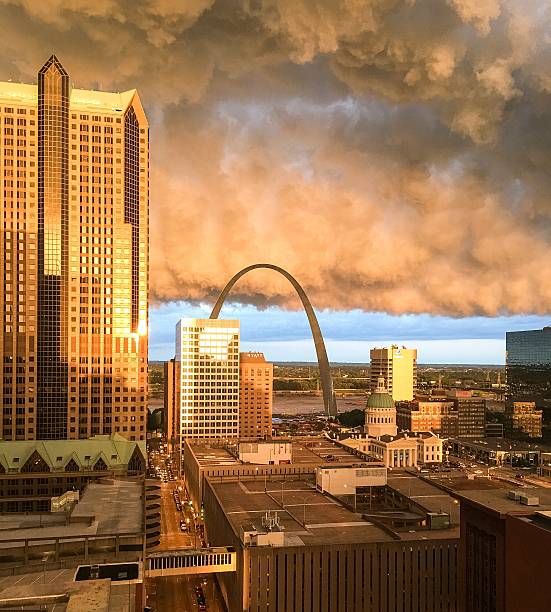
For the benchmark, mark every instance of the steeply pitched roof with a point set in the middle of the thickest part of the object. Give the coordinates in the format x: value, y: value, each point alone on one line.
x: 115, y: 450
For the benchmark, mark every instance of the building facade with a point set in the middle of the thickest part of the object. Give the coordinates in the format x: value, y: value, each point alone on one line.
x: 325, y: 558
x: 522, y: 418
x: 419, y: 415
x: 278, y: 452
x: 170, y: 417
x: 504, y: 550
x: 471, y: 417
x: 207, y: 378
x: 398, y: 366
x: 256, y: 377
x: 528, y: 366
x: 32, y: 472
x: 74, y: 273
x: 404, y: 450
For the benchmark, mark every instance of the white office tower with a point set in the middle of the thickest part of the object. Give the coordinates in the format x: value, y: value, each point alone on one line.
x: 207, y: 378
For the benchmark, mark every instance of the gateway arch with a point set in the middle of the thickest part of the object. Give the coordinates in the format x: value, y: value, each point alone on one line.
x: 329, y: 399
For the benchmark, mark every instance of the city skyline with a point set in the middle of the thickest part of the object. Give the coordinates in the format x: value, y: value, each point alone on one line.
x: 285, y: 336
x: 275, y: 288
x: 408, y: 198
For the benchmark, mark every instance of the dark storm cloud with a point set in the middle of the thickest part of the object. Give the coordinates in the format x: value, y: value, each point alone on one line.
x: 392, y: 154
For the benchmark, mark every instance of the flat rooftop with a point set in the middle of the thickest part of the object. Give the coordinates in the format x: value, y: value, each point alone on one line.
x: 497, y: 501
x: 425, y: 495
x: 307, y: 516
x: 212, y: 456
x: 96, y: 595
x: 312, y: 452
x: 106, y: 507
x: 116, y: 506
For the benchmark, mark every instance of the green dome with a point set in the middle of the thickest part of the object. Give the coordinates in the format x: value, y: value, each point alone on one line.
x: 380, y: 400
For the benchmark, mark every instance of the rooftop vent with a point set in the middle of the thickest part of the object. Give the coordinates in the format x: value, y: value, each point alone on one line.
x: 529, y: 500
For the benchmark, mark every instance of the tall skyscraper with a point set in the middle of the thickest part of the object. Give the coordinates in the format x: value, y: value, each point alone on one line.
x: 256, y: 377
x: 528, y: 366
x: 207, y: 378
x: 398, y: 366
x: 74, y: 170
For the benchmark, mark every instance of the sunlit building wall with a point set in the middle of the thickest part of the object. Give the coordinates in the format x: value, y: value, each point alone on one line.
x: 74, y: 240
x: 398, y: 366
x: 255, y: 396
x: 207, y: 378
x: 170, y: 418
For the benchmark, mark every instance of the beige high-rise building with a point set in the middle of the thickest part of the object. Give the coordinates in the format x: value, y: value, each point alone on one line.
x: 256, y: 377
x: 74, y: 240
x: 398, y: 366
x: 207, y: 378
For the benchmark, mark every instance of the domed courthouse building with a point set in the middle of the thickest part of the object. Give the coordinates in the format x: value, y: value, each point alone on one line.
x: 380, y: 439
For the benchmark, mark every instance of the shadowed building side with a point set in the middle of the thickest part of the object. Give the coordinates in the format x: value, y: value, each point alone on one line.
x: 329, y: 399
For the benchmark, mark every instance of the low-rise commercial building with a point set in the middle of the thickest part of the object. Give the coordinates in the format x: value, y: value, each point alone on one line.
x: 438, y: 416
x: 497, y: 451
x: 105, y: 525
x: 300, y: 550
x: 218, y: 459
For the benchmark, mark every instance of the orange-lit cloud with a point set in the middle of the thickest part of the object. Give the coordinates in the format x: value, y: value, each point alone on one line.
x: 392, y: 154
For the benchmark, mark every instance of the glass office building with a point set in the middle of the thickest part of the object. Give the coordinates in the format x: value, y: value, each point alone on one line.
x: 74, y: 240
x: 207, y: 378
x: 529, y: 366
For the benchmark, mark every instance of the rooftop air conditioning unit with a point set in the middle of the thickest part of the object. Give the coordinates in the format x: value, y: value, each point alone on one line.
x: 529, y: 500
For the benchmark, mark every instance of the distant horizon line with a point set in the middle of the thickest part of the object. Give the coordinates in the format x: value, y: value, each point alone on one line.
x: 366, y: 364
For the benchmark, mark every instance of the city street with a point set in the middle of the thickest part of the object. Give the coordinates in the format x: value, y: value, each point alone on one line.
x: 171, y: 536
x: 177, y: 594
x: 517, y: 476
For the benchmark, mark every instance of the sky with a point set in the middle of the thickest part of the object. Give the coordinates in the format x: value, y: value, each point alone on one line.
x: 285, y: 336
x: 393, y: 155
